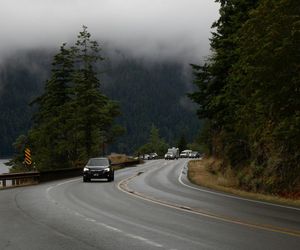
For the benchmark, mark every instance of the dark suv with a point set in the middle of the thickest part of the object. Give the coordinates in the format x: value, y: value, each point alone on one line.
x: 98, y: 168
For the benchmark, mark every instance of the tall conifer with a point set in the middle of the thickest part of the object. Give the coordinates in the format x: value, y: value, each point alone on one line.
x: 74, y: 119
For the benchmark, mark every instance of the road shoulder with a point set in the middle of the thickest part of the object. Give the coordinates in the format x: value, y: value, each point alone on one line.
x: 200, y: 174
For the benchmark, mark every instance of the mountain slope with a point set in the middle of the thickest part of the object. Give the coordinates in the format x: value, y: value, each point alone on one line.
x: 148, y: 93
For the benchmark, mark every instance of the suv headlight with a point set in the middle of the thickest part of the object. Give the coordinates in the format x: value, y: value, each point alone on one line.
x: 106, y: 169
x: 86, y: 169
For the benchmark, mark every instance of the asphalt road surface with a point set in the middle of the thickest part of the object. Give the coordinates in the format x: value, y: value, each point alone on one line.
x: 151, y: 206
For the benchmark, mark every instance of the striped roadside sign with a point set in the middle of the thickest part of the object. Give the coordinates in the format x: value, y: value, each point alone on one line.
x: 28, y: 160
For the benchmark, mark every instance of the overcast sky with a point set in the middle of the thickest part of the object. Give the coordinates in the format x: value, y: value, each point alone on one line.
x: 155, y: 28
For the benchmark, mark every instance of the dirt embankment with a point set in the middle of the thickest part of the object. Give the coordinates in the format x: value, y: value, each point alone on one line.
x: 121, y: 158
x: 208, y: 172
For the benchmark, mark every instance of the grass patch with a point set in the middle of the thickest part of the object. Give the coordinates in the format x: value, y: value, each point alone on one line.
x: 118, y: 158
x: 208, y: 172
x: 121, y: 160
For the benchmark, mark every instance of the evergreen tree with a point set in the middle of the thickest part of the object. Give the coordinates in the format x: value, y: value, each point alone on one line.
x: 49, y: 134
x: 94, y: 111
x: 249, y: 92
x: 158, y: 144
x: 212, y: 78
x: 182, y: 144
x: 155, y: 143
x: 74, y: 119
x: 89, y: 102
x: 267, y: 78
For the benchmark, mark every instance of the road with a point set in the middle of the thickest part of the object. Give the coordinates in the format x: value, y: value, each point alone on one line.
x: 151, y: 206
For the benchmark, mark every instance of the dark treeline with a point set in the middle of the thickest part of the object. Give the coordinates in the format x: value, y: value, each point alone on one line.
x: 249, y: 93
x: 151, y: 94
x: 22, y: 79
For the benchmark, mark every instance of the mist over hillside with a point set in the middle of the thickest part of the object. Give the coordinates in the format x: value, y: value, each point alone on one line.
x: 148, y: 91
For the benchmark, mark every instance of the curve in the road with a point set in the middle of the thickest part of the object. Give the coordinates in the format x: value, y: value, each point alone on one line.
x: 123, y: 186
x: 70, y: 214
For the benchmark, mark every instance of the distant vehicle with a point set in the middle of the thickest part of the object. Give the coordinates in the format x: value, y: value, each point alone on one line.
x: 153, y: 155
x: 194, y: 154
x: 185, y: 153
x: 146, y: 157
x: 98, y: 168
x: 173, y: 153
x: 150, y: 156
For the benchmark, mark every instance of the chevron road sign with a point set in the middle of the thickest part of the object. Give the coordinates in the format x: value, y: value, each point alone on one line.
x: 28, y: 160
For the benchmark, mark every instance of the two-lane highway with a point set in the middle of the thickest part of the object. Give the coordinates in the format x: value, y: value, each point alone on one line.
x: 152, y: 206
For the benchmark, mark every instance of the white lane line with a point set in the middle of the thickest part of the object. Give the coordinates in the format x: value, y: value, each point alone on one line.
x: 78, y: 214
x: 89, y: 219
x: 109, y: 227
x: 137, y: 237
x: 231, y: 196
x: 133, y: 236
x: 57, y: 185
x: 149, y: 242
x: 60, y: 184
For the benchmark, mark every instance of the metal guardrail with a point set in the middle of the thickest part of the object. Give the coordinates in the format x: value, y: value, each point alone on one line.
x: 18, y: 179
x: 27, y: 178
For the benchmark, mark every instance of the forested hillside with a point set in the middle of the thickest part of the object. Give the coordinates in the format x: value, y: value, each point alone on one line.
x: 249, y: 93
x: 148, y: 93
x: 22, y: 78
x: 153, y: 94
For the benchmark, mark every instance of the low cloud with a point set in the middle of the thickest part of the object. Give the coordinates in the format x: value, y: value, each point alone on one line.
x: 158, y: 29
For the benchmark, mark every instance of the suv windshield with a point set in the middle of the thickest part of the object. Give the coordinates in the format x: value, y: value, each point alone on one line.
x: 98, y: 162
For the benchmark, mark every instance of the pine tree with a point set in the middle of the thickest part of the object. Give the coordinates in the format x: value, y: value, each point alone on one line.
x: 249, y: 93
x: 182, y: 144
x: 94, y: 111
x: 74, y: 119
x: 267, y: 78
x: 155, y: 143
x: 212, y: 77
x: 49, y: 131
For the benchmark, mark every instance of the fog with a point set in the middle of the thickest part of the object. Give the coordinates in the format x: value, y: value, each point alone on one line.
x: 157, y: 29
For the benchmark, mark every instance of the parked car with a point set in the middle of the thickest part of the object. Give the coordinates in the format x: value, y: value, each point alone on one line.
x: 150, y: 156
x: 194, y: 154
x: 185, y: 153
x: 146, y: 157
x: 98, y: 168
x: 173, y: 153
x: 153, y: 155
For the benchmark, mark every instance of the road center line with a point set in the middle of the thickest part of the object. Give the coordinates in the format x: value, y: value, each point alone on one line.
x: 123, y: 186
